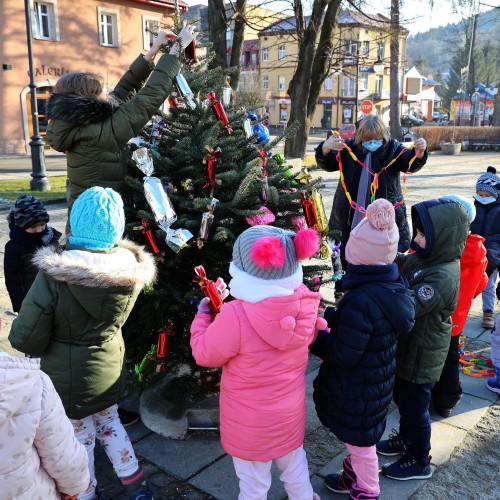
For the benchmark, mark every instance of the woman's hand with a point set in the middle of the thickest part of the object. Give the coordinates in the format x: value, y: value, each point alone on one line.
x: 185, y: 37
x: 420, y: 147
x: 334, y: 143
x: 160, y: 41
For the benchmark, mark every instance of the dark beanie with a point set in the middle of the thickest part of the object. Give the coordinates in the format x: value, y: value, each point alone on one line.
x: 489, y: 182
x: 27, y: 211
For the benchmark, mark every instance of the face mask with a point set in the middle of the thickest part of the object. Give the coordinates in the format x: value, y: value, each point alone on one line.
x: 485, y: 200
x: 372, y: 146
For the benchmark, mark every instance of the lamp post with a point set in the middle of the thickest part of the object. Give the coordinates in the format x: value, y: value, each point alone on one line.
x: 39, y: 181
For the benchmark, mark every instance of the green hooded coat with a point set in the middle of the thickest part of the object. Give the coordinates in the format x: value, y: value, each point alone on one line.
x: 93, y: 132
x: 434, y: 275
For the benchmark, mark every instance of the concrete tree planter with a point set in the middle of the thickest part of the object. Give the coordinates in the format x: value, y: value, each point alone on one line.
x: 161, y: 416
x: 451, y: 148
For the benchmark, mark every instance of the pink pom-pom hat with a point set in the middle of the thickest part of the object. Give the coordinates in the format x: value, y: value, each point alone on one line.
x: 270, y: 253
x: 374, y: 241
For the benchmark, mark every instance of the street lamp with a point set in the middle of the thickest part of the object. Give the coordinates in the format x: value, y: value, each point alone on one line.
x: 39, y: 181
x: 378, y: 66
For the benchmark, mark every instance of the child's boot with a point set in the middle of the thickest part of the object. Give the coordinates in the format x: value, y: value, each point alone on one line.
x: 342, y: 483
x: 136, y: 486
x: 493, y: 384
x: 488, y: 319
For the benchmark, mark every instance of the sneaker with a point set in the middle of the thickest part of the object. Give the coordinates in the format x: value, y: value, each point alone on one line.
x: 128, y: 418
x: 407, y: 468
x: 143, y: 493
x: 493, y: 385
x: 488, y: 319
x: 392, y: 446
x: 444, y: 412
x: 358, y: 493
x: 342, y: 483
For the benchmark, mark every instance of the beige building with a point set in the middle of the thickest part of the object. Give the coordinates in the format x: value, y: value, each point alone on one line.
x: 359, y: 77
x: 103, y: 36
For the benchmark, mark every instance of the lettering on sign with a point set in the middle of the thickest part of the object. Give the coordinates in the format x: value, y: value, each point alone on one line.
x: 49, y: 71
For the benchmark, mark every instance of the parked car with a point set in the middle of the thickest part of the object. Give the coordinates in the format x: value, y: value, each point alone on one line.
x: 411, y: 121
x: 347, y: 131
x: 436, y: 116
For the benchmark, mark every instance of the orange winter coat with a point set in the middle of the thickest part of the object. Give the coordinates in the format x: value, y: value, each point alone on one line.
x: 473, y: 279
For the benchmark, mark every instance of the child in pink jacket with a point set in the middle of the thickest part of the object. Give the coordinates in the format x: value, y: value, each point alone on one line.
x: 261, y: 341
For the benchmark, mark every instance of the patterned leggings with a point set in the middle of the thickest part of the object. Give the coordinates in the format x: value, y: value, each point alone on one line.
x: 108, y: 429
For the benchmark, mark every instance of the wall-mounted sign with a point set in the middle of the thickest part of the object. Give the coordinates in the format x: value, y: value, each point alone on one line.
x: 49, y: 71
x: 327, y: 100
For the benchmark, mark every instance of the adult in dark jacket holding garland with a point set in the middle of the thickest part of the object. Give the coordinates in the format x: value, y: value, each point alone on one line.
x: 93, y: 129
x: 72, y: 318
x: 373, y: 147
x: 353, y: 389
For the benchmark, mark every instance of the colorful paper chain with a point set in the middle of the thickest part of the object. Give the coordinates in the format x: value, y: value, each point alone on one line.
x: 376, y: 175
x: 470, y: 366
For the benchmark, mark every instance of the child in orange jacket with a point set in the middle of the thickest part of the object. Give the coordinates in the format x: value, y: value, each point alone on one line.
x: 447, y: 391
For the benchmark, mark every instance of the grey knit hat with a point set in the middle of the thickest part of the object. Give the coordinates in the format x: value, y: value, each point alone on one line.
x: 27, y: 211
x: 489, y: 182
x: 271, y: 253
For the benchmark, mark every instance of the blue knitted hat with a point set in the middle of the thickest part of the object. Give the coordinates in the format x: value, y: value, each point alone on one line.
x: 467, y: 203
x: 97, y: 219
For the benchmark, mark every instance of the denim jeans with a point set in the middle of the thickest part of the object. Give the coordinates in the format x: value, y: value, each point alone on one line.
x: 489, y: 292
x: 413, y: 401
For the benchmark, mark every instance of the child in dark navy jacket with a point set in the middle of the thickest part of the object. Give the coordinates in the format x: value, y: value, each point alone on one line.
x: 353, y: 389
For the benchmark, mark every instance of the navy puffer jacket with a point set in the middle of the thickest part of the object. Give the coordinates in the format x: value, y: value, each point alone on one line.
x: 353, y: 389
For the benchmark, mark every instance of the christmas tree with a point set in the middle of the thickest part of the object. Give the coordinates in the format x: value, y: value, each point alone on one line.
x: 217, y: 180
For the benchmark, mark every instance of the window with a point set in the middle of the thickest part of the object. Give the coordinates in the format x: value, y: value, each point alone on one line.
x: 253, y: 58
x: 150, y: 27
x: 281, y: 83
x: 265, y: 82
x: 380, y: 51
x: 109, y: 27
x: 265, y: 53
x: 378, y: 84
x: 351, y: 47
x: 45, y: 22
x: 328, y: 84
x: 363, y: 81
x: 366, y: 49
x: 281, y: 52
x: 348, y: 87
x: 228, y: 35
x: 283, y: 115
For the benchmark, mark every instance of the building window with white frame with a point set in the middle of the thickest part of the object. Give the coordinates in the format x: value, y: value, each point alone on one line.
x: 363, y: 85
x: 351, y: 47
x: 366, y: 48
x: 380, y: 51
x: 265, y: 54
x: 45, y: 20
x: 378, y: 84
x: 150, y: 29
x: 281, y: 83
x: 265, y: 82
x: 328, y: 83
x: 109, y: 27
x: 281, y: 52
x: 348, y: 87
x: 228, y: 35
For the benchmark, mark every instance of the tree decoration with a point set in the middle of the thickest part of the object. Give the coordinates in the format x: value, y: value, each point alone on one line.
x: 190, y: 52
x: 184, y: 90
x: 149, y: 237
x: 219, y: 112
x: 173, y: 102
x: 264, y: 218
x: 207, y: 219
x: 210, y: 161
x: 303, y: 177
x: 338, y: 272
x: 209, y: 289
x: 321, y: 223
x: 163, y: 346
x: 147, y: 366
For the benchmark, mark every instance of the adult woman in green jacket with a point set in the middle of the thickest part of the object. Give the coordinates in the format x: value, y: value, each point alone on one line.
x: 93, y: 129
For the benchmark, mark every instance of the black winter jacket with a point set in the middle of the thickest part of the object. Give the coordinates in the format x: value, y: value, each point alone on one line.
x: 353, y: 389
x: 487, y: 224
x: 389, y: 185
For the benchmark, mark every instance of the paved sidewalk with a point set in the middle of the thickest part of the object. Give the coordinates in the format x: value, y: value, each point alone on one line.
x: 464, y: 447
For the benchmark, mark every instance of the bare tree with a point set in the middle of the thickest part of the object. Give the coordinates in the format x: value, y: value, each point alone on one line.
x: 395, y: 106
x: 218, y: 23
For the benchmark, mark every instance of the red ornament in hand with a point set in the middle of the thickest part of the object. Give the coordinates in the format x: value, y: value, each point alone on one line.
x: 209, y: 289
x: 309, y: 209
x: 148, y: 235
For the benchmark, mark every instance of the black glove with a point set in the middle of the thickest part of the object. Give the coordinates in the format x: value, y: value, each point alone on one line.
x: 498, y: 290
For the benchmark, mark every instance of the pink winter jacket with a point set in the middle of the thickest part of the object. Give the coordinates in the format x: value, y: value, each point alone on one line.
x: 263, y: 349
x: 39, y: 454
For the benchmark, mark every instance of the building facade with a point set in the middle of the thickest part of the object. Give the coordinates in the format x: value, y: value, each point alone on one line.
x: 360, y: 70
x: 88, y: 35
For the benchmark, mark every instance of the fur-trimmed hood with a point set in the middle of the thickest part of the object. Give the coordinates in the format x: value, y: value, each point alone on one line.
x: 127, y: 265
x: 82, y: 110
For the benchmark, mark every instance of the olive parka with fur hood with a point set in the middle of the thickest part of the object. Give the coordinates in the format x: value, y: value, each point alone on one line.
x: 94, y: 132
x: 72, y: 319
x: 434, y: 275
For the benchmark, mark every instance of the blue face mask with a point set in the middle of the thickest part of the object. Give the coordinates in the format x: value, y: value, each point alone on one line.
x: 372, y: 146
x: 485, y: 200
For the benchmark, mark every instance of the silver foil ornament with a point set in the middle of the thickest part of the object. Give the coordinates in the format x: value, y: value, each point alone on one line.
x: 184, y: 90
x: 144, y: 161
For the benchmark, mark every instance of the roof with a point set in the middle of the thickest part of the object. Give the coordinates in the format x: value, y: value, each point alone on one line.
x: 346, y: 18
x: 427, y: 81
x: 165, y: 3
